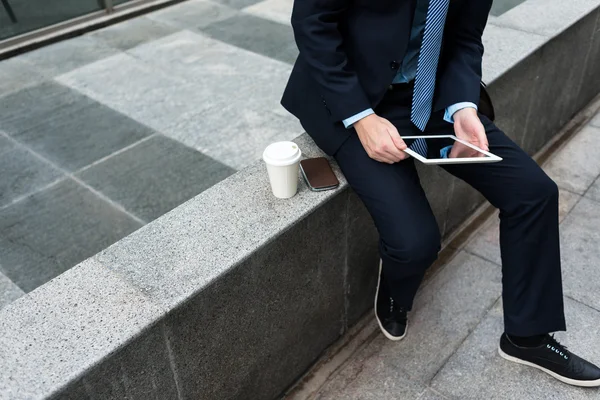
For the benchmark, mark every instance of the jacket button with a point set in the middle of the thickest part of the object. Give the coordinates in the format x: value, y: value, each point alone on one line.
x: 394, y: 65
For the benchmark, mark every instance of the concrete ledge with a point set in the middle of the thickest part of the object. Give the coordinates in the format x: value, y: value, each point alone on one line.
x: 234, y: 294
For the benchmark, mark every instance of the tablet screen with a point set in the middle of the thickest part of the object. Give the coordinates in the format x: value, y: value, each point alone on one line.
x: 444, y: 147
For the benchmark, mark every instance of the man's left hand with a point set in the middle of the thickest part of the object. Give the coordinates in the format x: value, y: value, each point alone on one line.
x: 468, y: 127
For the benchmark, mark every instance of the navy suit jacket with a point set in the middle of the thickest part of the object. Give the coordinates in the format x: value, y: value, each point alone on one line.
x: 350, y: 51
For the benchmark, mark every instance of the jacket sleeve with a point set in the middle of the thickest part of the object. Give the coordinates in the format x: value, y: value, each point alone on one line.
x: 460, y: 80
x: 316, y: 30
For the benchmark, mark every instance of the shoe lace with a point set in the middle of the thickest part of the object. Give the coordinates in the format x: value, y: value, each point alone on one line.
x: 554, y: 345
x: 397, y: 313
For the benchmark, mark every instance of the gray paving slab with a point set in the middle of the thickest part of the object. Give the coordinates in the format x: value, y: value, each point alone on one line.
x: 141, y: 91
x: 256, y: 34
x: 580, y: 236
x: 23, y: 173
x: 577, y: 165
x: 155, y: 176
x: 38, y: 105
x: 9, y: 292
x: 76, y: 136
x: 236, y: 134
x: 445, y: 312
x: 551, y: 16
x: 275, y: 10
x: 206, y: 62
x: 133, y: 32
x: 476, y: 371
x: 66, y: 327
x: 239, y: 4
x: 241, y: 100
x: 431, y: 394
x: 486, y: 243
x: 17, y: 74
x: 596, y: 121
x: 193, y: 14
x: 49, y: 232
x: 67, y: 55
x: 594, y: 191
x: 6, y: 144
x: 204, y: 115
x: 500, y: 7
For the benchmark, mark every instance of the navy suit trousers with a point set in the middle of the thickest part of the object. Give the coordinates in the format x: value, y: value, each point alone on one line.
x: 409, y: 236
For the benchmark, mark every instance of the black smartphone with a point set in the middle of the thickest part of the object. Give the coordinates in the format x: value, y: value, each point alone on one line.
x: 318, y: 174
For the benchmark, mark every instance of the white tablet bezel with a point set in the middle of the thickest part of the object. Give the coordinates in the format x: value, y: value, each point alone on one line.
x: 467, y: 160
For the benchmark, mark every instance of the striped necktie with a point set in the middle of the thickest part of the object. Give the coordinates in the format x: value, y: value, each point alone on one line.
x: 426, y: 69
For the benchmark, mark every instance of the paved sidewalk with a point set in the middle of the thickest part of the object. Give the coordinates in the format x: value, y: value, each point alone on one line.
x: 451, y: 348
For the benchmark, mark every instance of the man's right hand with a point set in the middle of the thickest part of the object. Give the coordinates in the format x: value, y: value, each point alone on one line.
x: 381, y: 139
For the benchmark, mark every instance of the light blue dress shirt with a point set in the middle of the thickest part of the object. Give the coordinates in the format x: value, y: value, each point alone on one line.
x: 408, y: 71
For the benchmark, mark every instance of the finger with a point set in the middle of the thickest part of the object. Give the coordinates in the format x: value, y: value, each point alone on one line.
x: 389, y: 153
x: 404, y: 156
x: 483, y: 137
x: 396, y: 145
x: 393, y: 153
x: 382, y: 157
x: 395, y: 136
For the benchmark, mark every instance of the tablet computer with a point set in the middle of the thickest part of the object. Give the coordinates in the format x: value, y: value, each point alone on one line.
x: 448, y: 149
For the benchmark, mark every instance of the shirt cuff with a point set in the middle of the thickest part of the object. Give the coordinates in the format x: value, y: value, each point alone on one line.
x: 348, y: 122
x: 449, y: 114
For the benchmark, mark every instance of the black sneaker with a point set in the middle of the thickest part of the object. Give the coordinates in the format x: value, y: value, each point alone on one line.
x: 554, y: 359
x: 391, y: 318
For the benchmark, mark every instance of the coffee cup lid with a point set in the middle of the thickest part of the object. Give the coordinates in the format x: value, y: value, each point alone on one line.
x: 282, y: 153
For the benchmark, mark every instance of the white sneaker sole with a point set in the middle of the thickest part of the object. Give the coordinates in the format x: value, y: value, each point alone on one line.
x: 569, y: 381
x: 387, y: 335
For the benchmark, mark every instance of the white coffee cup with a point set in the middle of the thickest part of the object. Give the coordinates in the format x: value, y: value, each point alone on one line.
x: 282, y: 159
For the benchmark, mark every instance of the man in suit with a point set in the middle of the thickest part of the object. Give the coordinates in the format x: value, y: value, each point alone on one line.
x: 371, y: 71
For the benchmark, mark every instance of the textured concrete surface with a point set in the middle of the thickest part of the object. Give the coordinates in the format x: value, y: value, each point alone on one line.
x: 580, y: 238
x: 283, y: 327
x: 65, y: 327
x: 577, y: 166
x: 504, y: 47
x: 142, y: 370
x: 545, y: 17
x: 275, y: 10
